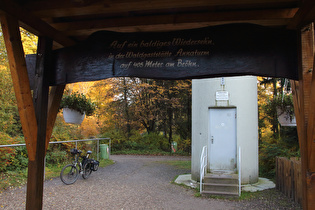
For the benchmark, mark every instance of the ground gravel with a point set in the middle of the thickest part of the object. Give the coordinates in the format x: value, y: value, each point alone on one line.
x: 136, y: 182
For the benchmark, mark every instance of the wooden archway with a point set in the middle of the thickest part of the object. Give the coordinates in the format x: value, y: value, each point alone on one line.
x: 62, y: 23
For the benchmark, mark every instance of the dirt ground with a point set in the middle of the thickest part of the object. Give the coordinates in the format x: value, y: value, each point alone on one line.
x: 137, y: 182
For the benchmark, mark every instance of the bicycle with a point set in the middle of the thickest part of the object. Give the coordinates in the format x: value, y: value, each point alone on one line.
x: 70, y: 173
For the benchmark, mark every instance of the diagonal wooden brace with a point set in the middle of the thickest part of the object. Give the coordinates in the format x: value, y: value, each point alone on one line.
x: 12, y: 38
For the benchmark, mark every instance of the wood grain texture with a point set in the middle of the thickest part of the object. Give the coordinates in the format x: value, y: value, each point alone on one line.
x: 12, y: 38
x: 36, y: 168
x: 228, y: 50
x: 34, y: 24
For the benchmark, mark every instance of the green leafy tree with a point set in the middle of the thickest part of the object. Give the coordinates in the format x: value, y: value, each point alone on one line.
x: 274, y: 140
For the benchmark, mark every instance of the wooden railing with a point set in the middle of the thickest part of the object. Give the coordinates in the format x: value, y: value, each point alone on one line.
x: 288, y: 178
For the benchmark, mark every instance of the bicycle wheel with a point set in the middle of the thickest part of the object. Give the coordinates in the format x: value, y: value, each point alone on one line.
x: 69, y: 174
x: 95, y: 167
x: 87, y: 170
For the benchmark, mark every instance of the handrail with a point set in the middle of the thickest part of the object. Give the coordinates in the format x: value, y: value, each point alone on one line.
x: 76, y: 141
x: 239, y: 172
x: 203, y: 165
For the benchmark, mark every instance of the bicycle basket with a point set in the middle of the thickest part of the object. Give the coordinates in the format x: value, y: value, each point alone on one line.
x: 73, y: 151
x: 95, y: 165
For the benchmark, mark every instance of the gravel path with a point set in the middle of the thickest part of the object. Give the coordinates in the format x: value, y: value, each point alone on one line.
x: 134, y: 182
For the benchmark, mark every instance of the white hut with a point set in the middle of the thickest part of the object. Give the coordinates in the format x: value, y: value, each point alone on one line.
x: 225, y: 119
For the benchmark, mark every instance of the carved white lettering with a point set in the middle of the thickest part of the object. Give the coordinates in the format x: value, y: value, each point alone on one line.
x: 153, y: 64
x: 186, y: 63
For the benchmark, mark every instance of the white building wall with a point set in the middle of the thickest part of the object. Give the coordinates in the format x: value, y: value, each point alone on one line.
x: 243, y: 96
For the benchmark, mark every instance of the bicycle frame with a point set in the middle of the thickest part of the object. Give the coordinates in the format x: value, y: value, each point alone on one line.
x: 79, y: 163
x: 69, y: 173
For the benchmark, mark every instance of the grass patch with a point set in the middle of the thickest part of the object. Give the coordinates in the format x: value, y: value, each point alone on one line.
x: 104, y: 163
x: 140, y: 152
x: 148, y: 152
x: 197, y: 194
x: 244, y: 196
x: 52, y: 171
x: 11, y: 179
x: 249, y: 195
x: 179, y: 164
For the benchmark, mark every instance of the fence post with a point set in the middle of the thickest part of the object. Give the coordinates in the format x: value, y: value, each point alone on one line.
x: 288, y: 178
x: 98, y: 148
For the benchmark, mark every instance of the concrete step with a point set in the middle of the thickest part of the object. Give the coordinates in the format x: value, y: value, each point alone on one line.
x: 221, y: 179
x: 220, y: 187
x: 219, y: 193
x: 220, y: 184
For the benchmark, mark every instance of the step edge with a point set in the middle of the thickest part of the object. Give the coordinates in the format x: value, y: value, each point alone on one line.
x: 219, y: 177
x: 220, y: 184
x: 219, y: 193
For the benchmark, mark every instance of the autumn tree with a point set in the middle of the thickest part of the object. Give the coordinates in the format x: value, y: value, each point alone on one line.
x: 9, y: 117
x: 152, y: 105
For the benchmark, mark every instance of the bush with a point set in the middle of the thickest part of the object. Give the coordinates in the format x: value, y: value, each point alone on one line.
x: 152, y: 141
x: 268, y: 152
x: 20, y: 160
x: 56, y: 157
x: 183, y: 145
x: 10, y: 156
x: 118, y: 139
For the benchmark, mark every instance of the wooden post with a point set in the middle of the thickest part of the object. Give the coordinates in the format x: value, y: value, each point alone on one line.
x: 36, y: 137
x: 34, y: 198
x: 304, y: 99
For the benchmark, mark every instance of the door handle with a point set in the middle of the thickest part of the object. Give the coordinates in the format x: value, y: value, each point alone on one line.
x: 211, y: 139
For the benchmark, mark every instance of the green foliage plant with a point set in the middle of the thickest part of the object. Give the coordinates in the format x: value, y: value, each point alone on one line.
x: 56, y: 157
x: 10, y: 157
x: 79, y: 102
x: 20, y: 159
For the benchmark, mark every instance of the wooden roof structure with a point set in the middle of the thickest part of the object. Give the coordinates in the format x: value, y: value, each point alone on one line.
x: 61, y: 23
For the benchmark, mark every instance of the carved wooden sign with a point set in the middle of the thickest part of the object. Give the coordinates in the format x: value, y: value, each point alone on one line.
x: 226, y: 50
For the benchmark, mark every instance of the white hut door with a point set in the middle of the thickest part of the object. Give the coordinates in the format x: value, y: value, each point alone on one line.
x: 222, y: 139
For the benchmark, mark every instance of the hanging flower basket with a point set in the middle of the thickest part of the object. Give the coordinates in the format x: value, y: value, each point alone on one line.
x: 75, y: 107
x: 285, y: 109
x: 72, y: 116
x: 285, y: 118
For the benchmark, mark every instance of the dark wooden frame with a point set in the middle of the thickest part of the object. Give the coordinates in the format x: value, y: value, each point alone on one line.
x: 13, y: 16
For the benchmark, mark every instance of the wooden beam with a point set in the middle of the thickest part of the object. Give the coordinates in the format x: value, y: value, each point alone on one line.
x: 298, y: 106
x: 304, y: 16
x: 34, y: 24
x: 248, y: 15
x: 35, y: 178
x: 83, y: 34
x: 298, y: 100
x: 308, y: 167
x: 12, y: 38
x: 55, y: 96
x: 309, y: 64
x: 304, y: 110
x: 61, y: 8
